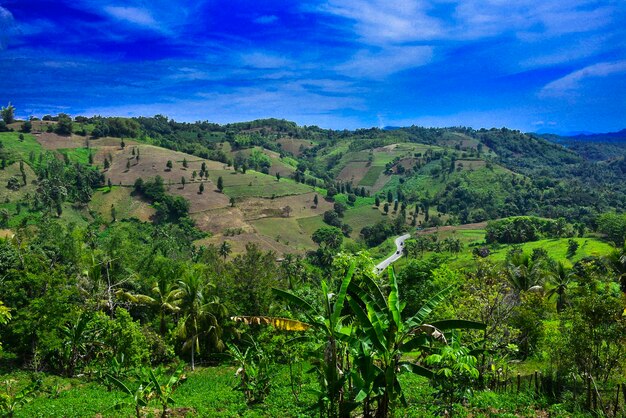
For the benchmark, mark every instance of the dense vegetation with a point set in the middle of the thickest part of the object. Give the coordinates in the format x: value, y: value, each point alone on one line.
x: 105, y: 313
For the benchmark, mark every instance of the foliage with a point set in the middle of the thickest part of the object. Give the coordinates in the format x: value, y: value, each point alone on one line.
x: 525, y: 228
x: 12, y: 398
x: 8, y: 114
x: 253, y: 371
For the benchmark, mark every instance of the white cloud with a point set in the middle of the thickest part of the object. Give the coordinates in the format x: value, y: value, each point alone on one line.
x: 134, y: 15
x: 387, y: 61
x: 381, y: 22
x: 399, y: 21
x: 7, y: 25
x: 573, y: 81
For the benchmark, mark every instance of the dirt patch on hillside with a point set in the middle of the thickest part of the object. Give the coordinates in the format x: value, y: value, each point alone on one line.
x: 407, y: 163
x: 152, y: 162
x: 386, y: 148
x: 209, y: 199
x: 52, y: 141
x: 219, y: 220
x: 284, y: 169
x: 301, y: 206
x: 354, y: 171
x: 294, y: 146
x: 238, y: 243
x: 471, y: 164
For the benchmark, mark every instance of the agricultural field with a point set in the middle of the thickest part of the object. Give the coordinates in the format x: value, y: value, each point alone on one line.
x: 362, y: 216
x: 294, y: 145
x: 286, y: 231
x: 255, y: 184
x: 301, y: 206
x: 473, y: 235
x: 13, y: 170
x: 19, y: 150
x: 126, y: 206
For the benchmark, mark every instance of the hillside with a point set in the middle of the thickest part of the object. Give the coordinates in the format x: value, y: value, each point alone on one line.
x: 272, y: 171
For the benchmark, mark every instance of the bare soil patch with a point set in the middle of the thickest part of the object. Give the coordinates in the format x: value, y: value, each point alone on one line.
x: 219, y: 220
x: 354, y: 171
x: 294, y: 145
x: 238, y: 243
x: 301, y: 206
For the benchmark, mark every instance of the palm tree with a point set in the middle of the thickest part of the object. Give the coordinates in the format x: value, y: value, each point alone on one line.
x: 617, y: 260
x: 225, y: 249
x: 167, y: 298
x: 559, y: 279
x: 524, y: 273
x: 202, y: 311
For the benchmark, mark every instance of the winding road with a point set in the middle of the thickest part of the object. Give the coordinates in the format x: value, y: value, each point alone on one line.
x: 395, y: 256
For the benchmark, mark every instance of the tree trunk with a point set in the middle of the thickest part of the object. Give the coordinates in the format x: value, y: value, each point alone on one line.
x: 382, y: 411
x: 193, y: 352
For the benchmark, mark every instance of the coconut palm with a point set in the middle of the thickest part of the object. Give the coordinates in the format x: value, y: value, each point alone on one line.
x: 202, y: 312
x: 559, y: 279
x: 617, y: 261
x: 524, y: 273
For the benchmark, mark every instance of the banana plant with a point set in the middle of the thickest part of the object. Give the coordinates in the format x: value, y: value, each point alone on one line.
x: 11, y: 400
x: 331, y: 374
x: 139, y: 394
x: 383, y: 337
x: 164, y: 392
x: 253, y: 371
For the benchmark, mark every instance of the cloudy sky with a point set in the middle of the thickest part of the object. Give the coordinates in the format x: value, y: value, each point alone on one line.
x: 549, y: 65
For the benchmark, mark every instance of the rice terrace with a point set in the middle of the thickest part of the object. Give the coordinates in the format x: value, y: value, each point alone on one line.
x: 312, y: 209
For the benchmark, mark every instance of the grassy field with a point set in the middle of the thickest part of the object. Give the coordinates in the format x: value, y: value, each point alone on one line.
x: 311, y: 224
x: 556, y: 247
x: 13, y: 170
x: 362, y: 216
x: 285, y: 230
x: 126, y: 206
x: 208, y: 392
x: 255, y: 184
x: 20, y: 150
x: 77, y: 155
x: 372, y: 175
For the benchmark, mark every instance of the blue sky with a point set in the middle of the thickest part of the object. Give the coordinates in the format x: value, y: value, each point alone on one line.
x: 549, y: 65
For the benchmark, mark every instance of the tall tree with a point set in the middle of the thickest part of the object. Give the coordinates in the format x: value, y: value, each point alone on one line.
x: 8, y: 114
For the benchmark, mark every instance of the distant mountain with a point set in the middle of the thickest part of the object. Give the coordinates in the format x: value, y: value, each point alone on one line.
x: 609, y: 137
x: 593, y: 147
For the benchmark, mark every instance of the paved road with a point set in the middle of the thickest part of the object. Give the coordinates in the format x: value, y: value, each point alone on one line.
x: 399, y: 247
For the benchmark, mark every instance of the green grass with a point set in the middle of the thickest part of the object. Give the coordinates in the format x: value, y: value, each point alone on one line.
x: 13, y: 170
x: 556, y: 248
x: 255, y: 184
x: 20, y: 150
x: 285, y: 230
x: 311, y: 224
x: 372, y: 175
x: 208, y: 392
x: 126, y: 206
x: 77, y: 155
x: 360, y: 217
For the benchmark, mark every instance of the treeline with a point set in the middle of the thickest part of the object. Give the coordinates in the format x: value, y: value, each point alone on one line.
x: 518, y: 229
